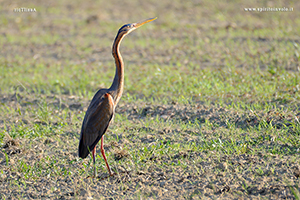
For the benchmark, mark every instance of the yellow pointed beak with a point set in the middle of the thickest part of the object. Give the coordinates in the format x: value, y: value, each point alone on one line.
x: 144, y: 22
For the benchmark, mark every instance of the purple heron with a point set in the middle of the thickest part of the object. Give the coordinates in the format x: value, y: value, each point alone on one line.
x: 102, y: 107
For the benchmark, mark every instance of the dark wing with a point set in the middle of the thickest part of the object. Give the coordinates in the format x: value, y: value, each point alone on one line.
x: 96, y: 121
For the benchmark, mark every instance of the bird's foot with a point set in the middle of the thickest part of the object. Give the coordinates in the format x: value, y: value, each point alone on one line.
x: 112, y: 174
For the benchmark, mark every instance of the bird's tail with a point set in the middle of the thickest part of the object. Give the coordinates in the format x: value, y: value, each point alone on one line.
x: 83, y: 151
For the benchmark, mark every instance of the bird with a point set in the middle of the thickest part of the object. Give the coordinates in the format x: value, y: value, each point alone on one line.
x: 102, y: 107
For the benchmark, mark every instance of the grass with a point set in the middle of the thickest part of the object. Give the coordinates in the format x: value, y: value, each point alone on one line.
x: 210, y: 107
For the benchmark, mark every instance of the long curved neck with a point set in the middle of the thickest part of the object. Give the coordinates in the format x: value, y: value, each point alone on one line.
x: 118, y: 83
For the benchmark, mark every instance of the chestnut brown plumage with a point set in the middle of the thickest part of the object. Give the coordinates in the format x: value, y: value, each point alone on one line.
x: 103, y: 104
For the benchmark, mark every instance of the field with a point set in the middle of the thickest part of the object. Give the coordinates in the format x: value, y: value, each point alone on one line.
x: 210, y: 109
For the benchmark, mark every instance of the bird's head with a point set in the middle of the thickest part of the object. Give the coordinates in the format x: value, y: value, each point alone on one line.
x: 127, y: 28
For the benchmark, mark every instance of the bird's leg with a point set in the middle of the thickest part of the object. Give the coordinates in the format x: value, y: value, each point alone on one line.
x: 94, y: 161
x: 103, y: 154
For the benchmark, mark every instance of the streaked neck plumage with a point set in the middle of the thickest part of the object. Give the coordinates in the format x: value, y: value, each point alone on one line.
x: 117, y: 86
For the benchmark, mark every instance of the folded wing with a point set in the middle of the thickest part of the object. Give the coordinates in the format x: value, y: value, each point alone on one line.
x: 96, y: 121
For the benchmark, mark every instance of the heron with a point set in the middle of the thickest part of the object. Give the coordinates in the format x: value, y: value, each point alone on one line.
x: 102, y: 107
